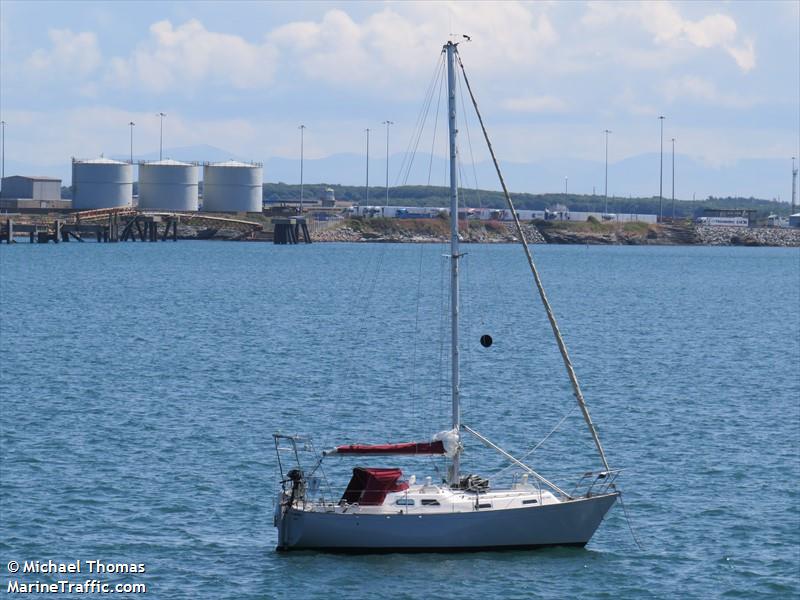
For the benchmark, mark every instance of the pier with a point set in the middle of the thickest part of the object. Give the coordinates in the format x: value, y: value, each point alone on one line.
x: 289, y: 230
x: 123, y: 225
x: 35, y: 232
x: 147, y: 228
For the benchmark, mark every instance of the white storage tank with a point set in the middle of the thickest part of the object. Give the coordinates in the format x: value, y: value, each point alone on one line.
x: 329, y: 199
x: 101, y: 183
x: 232, y: 186
x: 168, y: 185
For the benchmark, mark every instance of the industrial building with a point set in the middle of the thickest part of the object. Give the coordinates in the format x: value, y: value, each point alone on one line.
x: 735, y: 217
x: 101, y: 183
x: 168, y: 185
x: 21, y: 192
x: 232, y: 186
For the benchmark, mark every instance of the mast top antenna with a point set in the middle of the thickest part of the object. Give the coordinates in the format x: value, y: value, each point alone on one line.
x: 455, y: 38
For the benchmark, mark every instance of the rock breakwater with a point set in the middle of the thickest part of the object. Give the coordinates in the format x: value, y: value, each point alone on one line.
x: 437, y: 231
x: 425, y: 231
x: 747, y: 236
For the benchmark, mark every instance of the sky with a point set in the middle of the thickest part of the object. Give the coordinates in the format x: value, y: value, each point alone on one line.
x: 550, y: 76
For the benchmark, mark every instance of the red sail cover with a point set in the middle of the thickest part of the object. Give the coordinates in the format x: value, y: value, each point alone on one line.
x: 368, y: 487
x: 405, y: 448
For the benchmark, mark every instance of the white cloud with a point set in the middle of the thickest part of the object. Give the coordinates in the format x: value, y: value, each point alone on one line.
x: 399, y: 43
x: 535, y: 104
x: 633, y: 61
x: 696, y: 88
x: 745, y: 55
x: 172, y: 58
x: 190, y: 55
x: 70, y: 55
x: 667, y: 26
x: 395, y: 44
x: 329, y: 50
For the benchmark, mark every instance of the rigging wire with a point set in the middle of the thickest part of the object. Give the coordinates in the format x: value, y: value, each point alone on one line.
x: 442, y: 320
x: 371, y: 274
x: 495, y: 283
x: 318, y: 465
x: 414, y: 389
x: 467, y: 265
x: 436, y: 118
x: 539, y: 445
x: 576, y: 388
x: 435, y: 466
x: 628, y: 521
x: 444, y: 401
x: 419, y: 126
x: 444, y: 266
x: 422, y: 127
x: 469, y: 138
x: 464, y: 298
x: 464, y: 306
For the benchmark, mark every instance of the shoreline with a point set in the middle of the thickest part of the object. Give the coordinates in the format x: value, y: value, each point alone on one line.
x: 564, y: 233
x: 258, y: 228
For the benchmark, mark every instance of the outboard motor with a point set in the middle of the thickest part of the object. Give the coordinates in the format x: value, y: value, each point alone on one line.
x: 298, y: 491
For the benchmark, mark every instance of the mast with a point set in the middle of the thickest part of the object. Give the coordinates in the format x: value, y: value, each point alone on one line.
x: 450, y: 48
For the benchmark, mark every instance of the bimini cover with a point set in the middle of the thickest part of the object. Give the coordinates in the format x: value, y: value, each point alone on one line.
x: 444, y: 442
x: 436, y: 447
x: 368, y: 487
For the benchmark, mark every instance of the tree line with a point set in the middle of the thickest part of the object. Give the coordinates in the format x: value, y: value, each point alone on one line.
x: 429, y: 195
x: 424, y: 195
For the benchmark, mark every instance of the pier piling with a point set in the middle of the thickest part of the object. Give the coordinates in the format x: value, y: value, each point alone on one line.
x: 289, y: 231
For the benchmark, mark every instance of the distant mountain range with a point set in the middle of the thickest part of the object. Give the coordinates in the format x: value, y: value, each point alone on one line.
x: 633, y: 176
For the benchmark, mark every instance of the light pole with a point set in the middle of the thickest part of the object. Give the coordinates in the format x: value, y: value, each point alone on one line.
x: 131, y: 124
x: 794, y: 183
x: 607, y: 131
x: 673, y: 179
x: 661, y: 173
x: 161, y: 137
x: 3, y: 159
x: 366, y: 188
x: 387, y: 123
x: 302, y: 129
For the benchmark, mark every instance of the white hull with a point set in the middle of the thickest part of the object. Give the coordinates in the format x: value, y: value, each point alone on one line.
x: 569, y: 523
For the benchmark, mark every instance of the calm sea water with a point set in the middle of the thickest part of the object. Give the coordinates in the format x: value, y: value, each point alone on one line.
x: 141, y: 384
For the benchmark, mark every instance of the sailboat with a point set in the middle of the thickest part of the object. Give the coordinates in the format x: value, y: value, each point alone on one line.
x: 379, y: 511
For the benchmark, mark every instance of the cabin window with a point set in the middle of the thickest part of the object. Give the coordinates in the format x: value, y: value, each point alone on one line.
x: 405, y: 502
x: 429, y: 502
x: 487, y: 505
x: 529, y: 501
